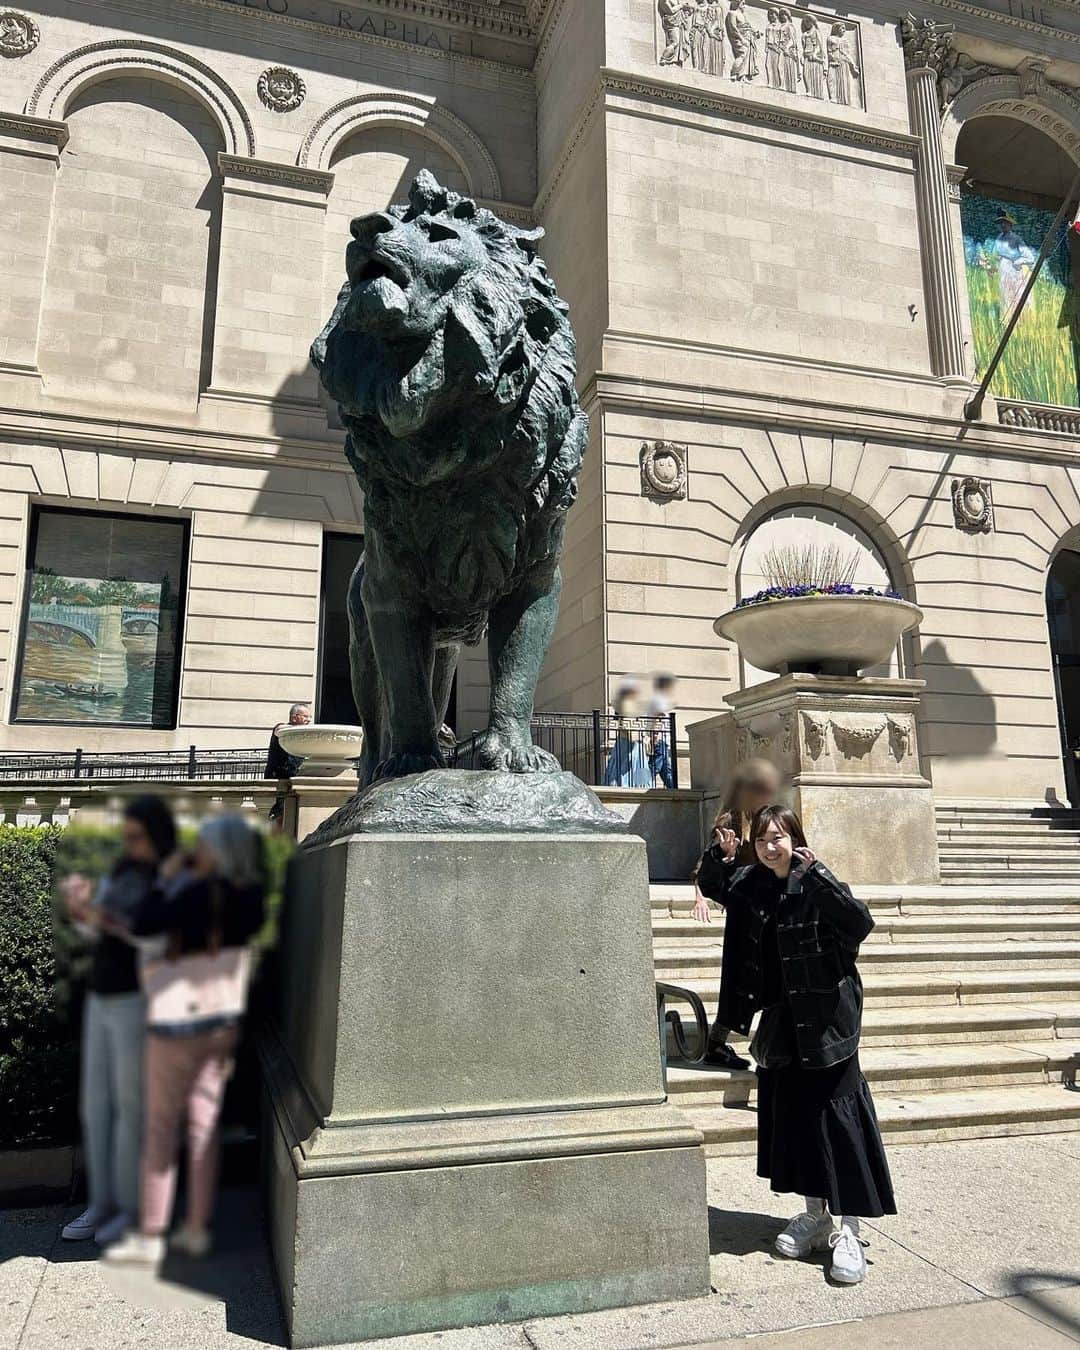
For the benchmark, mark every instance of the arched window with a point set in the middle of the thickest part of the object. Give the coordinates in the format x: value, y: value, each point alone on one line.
x: 821, y: 528
x: 128, y: 306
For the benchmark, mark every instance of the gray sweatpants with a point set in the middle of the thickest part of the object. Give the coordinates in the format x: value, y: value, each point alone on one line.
x: 110, y: 1099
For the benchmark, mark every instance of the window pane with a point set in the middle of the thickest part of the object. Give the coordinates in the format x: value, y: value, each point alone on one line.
x: 101, y: 637
x: 341, y: 553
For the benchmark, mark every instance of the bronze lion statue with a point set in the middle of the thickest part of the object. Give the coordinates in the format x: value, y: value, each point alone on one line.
x: 451, y: 359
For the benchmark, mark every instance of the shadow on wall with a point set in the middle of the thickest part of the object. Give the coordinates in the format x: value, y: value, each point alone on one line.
x: 962, y: 719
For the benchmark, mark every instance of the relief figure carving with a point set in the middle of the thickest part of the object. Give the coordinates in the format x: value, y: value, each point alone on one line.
x: 816, y: 730
x: 843, y: 72
x: 901, y: 736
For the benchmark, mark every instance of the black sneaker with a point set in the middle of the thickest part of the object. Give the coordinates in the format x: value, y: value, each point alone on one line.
x: 723, y: 1057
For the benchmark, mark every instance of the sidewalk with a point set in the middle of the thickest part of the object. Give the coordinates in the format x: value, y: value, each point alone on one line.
x: 985, y: 1254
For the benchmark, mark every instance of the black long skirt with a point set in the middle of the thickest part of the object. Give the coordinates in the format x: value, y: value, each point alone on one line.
x: 818, y: 1135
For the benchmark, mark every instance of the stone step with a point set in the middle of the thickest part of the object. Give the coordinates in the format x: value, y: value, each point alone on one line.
x: 906, y: 928
x: 922, y: 1117
x: 993, y: 897
x: 675, y: 964
x: 918, y: 1068
x: 885, y: 990
x: 1002, y: 868
x: 984, y: 810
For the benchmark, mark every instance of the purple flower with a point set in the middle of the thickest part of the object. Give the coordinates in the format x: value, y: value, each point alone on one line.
x: 797, y: 592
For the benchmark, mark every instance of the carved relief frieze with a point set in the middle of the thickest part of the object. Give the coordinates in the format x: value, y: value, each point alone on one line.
x: 19, y: 34
x: 856, y: 739
x: 973, y: 507
x: 796, y: 51
x: 663, y: 470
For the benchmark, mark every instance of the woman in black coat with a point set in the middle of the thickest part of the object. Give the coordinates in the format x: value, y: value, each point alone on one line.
x: 794, y: 931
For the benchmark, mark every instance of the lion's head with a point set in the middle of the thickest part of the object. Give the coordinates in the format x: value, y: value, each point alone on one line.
x: 446, y: 310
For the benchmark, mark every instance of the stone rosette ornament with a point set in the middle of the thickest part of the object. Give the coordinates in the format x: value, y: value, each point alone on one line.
x: 19, y: 34
x: 663, y: 470
x: 281, y: 89
x: 973, y: 507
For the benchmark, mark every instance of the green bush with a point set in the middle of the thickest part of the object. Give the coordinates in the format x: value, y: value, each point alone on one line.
x: 43, y: 967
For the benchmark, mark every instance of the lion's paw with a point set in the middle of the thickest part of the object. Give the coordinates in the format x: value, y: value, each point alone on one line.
x: 403, y: 763
x: 495, y: 753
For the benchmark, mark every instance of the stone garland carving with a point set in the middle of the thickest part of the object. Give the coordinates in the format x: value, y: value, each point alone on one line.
x: 663, y: 470
x: 281, y: 89
x: 973, y: 507
x: 797, y: 60
x: 856, y: 740
x: 901, y: 736
x: 19, y: 34
x: 816, y: 730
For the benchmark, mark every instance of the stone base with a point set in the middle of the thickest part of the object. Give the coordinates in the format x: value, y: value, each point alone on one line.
x: 466, y: 1109
x: 849, y: 746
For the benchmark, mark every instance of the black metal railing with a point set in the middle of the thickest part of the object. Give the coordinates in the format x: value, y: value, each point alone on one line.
x: 148, y: 766
x: 603, y: 749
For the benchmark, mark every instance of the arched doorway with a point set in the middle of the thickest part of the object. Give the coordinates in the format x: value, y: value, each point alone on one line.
x: 810, y: 525
x: 1063, y: 615
x: 1016, y: 180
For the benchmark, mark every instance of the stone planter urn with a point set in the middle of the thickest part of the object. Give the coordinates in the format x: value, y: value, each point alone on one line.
x: 818, y: 634
x: 326, y: 748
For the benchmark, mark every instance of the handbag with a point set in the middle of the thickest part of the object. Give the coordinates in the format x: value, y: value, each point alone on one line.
x: 773, y: 1044
x: 186, y: 994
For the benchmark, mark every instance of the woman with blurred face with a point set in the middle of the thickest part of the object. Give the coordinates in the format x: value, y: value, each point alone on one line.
x: 795, y: 932
x: 110, y: 1094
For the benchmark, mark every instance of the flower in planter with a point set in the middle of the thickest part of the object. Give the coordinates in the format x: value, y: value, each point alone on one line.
x: 833, y: 588
x: 797, y: 570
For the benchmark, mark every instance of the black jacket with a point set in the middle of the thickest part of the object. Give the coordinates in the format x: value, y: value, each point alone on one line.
x: 186, y: 910
x: 819, y: 925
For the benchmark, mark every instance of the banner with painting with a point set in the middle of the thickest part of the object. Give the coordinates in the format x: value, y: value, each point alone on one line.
x: 1001, y: 244
x: 100, y: 640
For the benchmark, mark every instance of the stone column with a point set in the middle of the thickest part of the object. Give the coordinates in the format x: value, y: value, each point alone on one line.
x: 926, y: 50
x: 29, y: 157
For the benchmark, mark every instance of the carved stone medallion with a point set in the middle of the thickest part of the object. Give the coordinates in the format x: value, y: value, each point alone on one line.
x: 281, y: 89
x: 973, y: 508
x: 18, y: 33
x: 663, y: 470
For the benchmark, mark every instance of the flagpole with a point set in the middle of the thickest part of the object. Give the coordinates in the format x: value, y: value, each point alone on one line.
x: 973, y: 407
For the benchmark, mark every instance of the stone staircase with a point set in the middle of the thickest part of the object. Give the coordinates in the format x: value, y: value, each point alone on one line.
x: 972, y: 1019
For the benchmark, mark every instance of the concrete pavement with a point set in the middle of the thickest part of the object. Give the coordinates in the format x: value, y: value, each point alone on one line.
x: 984, y: 1253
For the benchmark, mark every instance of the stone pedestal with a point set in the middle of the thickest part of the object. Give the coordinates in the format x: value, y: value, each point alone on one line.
x: 850, y: 748
x: 311, y: 800
x: 466, y: 1110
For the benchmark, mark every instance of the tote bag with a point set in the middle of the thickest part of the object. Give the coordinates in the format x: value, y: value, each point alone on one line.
x: 196, y: 992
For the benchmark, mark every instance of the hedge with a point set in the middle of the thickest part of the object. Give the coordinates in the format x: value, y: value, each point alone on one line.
x: 43, y: 966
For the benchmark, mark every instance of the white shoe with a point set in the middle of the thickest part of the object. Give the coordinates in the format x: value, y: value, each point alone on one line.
x: 112, y: 1231
x: 848, y: 1261
x: 190, y: 1242
x: 804, y: 1234
x: 84, y: 1227
x: 136, y: 1249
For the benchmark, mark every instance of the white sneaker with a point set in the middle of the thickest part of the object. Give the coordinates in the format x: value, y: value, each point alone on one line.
x: 804, y: 1234
x: 136, y: 1249
x: 848, y: 1261
x: 83, y: 1228
x: 190, y: 1242
x: 112, y: 1231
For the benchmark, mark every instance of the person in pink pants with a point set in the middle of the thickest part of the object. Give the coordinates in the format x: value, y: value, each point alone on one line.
x: 210, y: 905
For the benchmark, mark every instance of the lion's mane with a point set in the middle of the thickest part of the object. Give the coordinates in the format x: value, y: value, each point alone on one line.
x: 467, y: 443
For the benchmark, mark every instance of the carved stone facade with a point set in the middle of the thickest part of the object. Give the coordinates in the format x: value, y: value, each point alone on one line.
x: 973, y: 507
x: 281, y: 89
x: 19, y: 34
x: 663, y: 470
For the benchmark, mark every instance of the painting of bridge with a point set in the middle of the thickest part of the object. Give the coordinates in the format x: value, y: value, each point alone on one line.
x: 95, y: 651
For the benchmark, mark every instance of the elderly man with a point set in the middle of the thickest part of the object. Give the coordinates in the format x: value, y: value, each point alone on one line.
x: 279, y: 763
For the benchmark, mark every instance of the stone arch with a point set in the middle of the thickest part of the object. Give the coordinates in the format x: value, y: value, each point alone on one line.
x: 98, y: 61
x: 411, y: 111
x: 1050, y: 110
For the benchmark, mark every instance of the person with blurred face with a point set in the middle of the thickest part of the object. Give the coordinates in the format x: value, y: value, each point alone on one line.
x: 279, y: 763
x: 110, y: 1094
x: 795, y: 934
x: 754, y: 784
x: 208, y: 908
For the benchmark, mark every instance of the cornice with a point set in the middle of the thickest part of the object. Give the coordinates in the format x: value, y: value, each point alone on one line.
x: 994, y: 16
x: 27, y: 128
x: 495, y: 20
x: 761, y: 114
x: 317, y: 181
